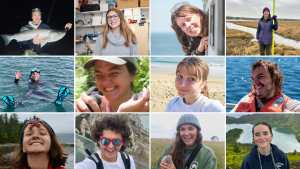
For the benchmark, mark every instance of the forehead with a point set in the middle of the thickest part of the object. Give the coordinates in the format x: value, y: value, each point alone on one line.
x: 260, y: 70
x: 110, y: 13
x: 188, y: 71
x: 186, y: 126
x: 111, y: 134
x: 183, y: 18
x: 36, y: 14
x: 35, y: 128
x: 261, y: 128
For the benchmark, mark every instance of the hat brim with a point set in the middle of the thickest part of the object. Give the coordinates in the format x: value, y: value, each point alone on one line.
x: 114, y: 60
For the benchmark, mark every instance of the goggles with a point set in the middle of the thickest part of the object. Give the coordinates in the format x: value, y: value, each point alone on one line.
x: 106, y: 141
x: 34, y: 70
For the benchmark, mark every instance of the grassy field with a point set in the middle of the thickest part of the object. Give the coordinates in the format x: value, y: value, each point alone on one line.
x: 239, y: 43
x: 159, y: 145
x: 234, y: 160
x: 287, y: 29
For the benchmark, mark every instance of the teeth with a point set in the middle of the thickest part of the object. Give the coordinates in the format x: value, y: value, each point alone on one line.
x: 110, y: 89
x: 110, y: 150
x: 258, y: 87
x: 192, y: 30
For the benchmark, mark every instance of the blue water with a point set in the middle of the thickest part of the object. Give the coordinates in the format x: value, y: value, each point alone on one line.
x: 165, y: 44
x: 168, y: 65
x: 238, y: 81
x: 66, y: 138
x: 53, y: 69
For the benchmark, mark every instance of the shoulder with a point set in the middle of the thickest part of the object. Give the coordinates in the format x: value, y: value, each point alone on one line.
x: 43, y: 26
x: 207, y: 151
x: 211, y: 105
x: 172, y: 103
x: 168, y: 148
x: 86, y: 164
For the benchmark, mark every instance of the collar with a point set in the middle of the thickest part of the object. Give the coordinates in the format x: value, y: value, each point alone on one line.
x: 263, y: 18
x: 33, y: 25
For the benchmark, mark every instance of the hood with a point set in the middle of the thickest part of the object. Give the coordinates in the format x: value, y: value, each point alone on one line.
x: 253, y: 150
x: 116, y: 39
x: 269, y: 18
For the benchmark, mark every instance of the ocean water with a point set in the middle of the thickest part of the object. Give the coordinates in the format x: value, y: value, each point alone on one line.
x: 66, y: 138
x: 168, y: 65
x: 238, y: 81
x: 165, y: 44
x: 53, y: 69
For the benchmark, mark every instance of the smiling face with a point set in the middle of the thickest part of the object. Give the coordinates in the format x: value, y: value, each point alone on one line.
x: 113, y: 81
x: 191, y: 24
x: 109, y: 152
x: 115, y: 21
x: 262, y: 83
x: 35, y: 76
x: 262, y: 136
x: 188, y: 134
x: 188, y: 85
x: 36, y: 140
x: 266, y: 14
x: 36, y: 17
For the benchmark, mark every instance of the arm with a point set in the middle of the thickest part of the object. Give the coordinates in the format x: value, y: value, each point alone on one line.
x: 98, y: 46
x: 134, y: 50
x: 55, y: 84
x: 292, y: 106
x: 166, y: 152
x: 18, y: 76
x: 202, y: 46
x: 84, y: 99
x: 258, y: 31
x: 132, y: 164
x: 216, y: 106
x: 212, y: 164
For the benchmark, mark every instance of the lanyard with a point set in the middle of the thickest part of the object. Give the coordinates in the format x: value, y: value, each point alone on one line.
x: 272, y: 158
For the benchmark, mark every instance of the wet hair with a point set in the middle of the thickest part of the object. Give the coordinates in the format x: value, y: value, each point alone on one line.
x: 181, y: 10
x: 197, y: 66
x: 177, y: 151
x: 262, y: 123
x: 57, y: 156
x: 274, y: 70
x: 116, y: 123
x: 126, y: 31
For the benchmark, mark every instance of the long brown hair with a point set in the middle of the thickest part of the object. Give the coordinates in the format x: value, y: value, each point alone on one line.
x: 57, y: 156
x: 200, y: 67
x: 177, y: 151
x: 125, y: 29
x: 180, y: 10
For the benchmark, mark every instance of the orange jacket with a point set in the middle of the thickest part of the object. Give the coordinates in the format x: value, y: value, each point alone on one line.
x: 247, y: 104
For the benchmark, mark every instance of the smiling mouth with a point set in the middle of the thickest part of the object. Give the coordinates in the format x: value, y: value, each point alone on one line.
x: 259, y: 87
x: 110, y: 151
x: 192, y: 30
x: 35, y: 143
x: 110, y: 89
x: 188, y: 139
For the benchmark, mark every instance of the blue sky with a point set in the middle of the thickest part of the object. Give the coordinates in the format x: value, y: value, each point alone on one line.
x: 212, y: 124
x: 161, y: 15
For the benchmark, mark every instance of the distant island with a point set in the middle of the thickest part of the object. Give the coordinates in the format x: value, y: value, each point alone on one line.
x: 245, y: 18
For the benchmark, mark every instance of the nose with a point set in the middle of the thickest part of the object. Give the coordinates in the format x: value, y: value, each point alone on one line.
x: 183, y: 83
x: 105, y: 80
x: 111, y: 145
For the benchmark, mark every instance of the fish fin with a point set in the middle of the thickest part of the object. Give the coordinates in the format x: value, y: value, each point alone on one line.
x: 6, y: 39
x: 24, y: 29
x: 62, y: 93
x: 10, y: 101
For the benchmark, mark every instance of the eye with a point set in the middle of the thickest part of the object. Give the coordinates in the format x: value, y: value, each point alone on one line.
x: 191, y: 79
x: 179, y: 75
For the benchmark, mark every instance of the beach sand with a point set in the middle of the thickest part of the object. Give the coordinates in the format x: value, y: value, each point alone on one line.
x: 163, y: 90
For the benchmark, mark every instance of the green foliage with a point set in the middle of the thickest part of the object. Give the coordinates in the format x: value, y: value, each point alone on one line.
x: 85, y: 79
x: 236, y: 148
x: 233, y: 134
x: 3, y: 132
x: 13, y: 128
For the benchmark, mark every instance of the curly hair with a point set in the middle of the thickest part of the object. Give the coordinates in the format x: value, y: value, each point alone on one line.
x: 274, y: 70
x: 262, y: 123
x: 126, y: 31
x: 181, y: 10
x: 177, y: 151
x: 198, y: 66
x: 57, y: 156
x: 116, y: 123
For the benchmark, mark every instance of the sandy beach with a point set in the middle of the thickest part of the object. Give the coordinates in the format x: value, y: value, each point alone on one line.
x: 163, y: 90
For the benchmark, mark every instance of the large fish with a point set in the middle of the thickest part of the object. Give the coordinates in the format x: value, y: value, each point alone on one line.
x: 50, y: 35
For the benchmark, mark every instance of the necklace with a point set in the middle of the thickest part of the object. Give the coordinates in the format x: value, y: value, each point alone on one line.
x: 272, y: 159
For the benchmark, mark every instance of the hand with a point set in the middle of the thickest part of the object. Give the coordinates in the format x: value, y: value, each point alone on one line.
x: 275, y: 18
x: 67, y: 85
x: 286, y: 111
x: 68, y: 25
x: 80, y: 104
x: 141, y: 105
x: 165, y: 165
x: 257, y: 40
x: 37, y: 40
x: 18, y: 75
x: 203, y: 44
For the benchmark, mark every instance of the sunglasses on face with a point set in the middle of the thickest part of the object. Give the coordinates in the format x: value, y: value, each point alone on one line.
x: 115, y: 16
x: 106, y: 141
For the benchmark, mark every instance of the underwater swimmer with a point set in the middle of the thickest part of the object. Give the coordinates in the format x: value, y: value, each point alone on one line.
x: 35, y: 90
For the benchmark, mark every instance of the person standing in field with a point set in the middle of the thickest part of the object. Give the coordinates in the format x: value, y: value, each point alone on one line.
x: 264, y: 31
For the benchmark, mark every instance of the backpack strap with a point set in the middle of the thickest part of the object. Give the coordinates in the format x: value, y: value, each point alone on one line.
x: 193, y: 155
x: 95, y: 157
x: 126, y: 159
x: 88, y: 152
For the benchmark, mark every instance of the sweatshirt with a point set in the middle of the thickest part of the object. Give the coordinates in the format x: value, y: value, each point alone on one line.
x: 252, y: 161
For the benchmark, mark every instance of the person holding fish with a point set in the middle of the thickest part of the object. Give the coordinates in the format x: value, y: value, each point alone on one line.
x: 38, y: 43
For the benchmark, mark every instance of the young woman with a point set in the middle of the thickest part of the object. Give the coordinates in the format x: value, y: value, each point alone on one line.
x: 188, y: 136
x: 191, y: 27
x: 191, y: 85
x: 39, y: 148
x: 117, y: 37
x: 114, y: 79
x: 264, y: 32
x: 264, y: 154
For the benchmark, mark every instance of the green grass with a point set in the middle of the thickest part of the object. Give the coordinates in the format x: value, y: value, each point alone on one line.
x: 159, y: 145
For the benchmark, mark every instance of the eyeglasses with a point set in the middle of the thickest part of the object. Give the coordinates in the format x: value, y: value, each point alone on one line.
x: 106, y: 141
x: 115, y: 16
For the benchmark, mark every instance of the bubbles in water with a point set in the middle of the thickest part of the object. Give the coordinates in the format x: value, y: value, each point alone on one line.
x: 245, y: 80
x: 242, y: 78
x: 235, y: 80
x: 278, y: 60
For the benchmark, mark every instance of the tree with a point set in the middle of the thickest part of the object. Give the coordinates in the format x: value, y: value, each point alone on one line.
x: 13, y: 128
x: 236, y: 148
x: 3, y: 135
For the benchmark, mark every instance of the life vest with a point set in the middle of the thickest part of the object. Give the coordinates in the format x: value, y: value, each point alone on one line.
x: 247, y: 104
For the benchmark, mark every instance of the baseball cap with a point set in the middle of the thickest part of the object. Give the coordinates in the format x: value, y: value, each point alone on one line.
x: 111, y: 59
x: 36, y: 10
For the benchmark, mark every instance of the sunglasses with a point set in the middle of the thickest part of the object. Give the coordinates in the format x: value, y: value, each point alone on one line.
x: 106, y: 141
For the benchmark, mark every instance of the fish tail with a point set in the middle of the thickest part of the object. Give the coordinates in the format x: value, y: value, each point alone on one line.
x: 6, y: 39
